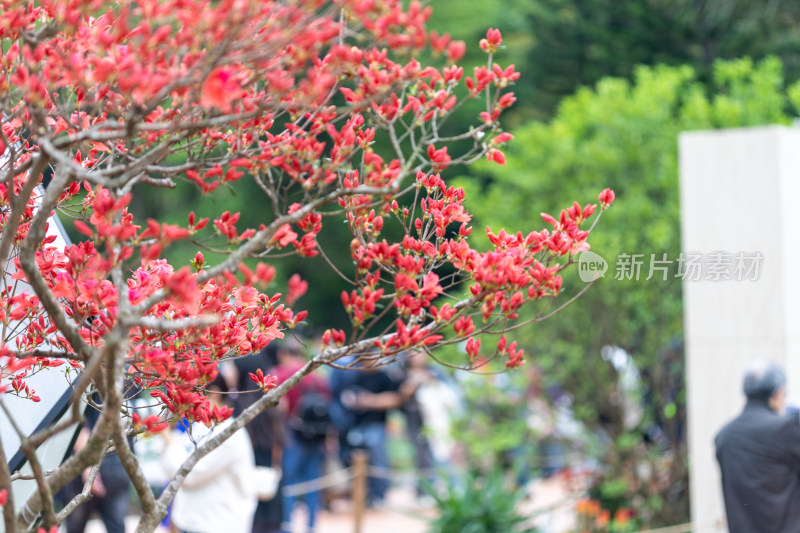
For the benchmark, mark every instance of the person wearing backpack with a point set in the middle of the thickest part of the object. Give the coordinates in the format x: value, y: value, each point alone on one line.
x: 308, y: 424
x: 377, y: 389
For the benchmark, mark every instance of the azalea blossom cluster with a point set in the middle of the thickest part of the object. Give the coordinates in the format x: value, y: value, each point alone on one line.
x: 328, y: 107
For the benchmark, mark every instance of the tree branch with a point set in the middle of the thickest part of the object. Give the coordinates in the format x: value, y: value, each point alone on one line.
x: 41, y: 483
x: 84, y: 496
x: 18, y: 205
x: 10, y: 524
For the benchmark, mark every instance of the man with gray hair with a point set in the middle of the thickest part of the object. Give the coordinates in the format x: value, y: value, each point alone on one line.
x: 759, y: 457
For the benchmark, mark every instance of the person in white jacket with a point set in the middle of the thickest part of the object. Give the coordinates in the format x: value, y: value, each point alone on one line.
x: 219, y: 493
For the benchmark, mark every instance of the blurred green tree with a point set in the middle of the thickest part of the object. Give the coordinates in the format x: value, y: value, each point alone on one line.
x: 560, y: 45
x: 624, y: 135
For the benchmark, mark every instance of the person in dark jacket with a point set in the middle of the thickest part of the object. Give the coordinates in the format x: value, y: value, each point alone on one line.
x: 267, y: 435
x: 266, y: 430
x: 759, y: 457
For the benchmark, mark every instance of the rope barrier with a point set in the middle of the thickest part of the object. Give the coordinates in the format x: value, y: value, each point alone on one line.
x: 390, y: 474
x: 343, y: 475
x: 339, y: 477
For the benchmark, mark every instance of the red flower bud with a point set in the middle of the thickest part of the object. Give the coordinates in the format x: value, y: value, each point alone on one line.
x: 456, y: 50
x: 606, y: 197
x: 497, y: 156
x: 502, y: 138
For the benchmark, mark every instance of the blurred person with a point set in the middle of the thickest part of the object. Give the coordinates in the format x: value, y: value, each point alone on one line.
x: 759, y: 457
x: 416, y: 376
x: 110, y: 489
x: 268, y: 437
x: 342, y: 380
x: 432, y: 401
x: 375, y: 390
x: 219, y: 493
x: 150, y: 447
x: 440, y: 400
x: 628, y: 388
x: 308, y: 423
x: 266, y: 431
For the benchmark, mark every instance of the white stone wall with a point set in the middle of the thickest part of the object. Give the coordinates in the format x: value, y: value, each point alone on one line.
x: 740, y: 191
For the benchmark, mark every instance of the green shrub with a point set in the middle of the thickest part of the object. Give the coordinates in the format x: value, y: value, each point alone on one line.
x: 480, y: 503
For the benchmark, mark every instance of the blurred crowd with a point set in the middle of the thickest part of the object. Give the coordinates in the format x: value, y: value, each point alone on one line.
x: 316, y: 429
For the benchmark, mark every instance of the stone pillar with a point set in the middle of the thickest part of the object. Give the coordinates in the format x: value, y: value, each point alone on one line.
x: 739, y: 192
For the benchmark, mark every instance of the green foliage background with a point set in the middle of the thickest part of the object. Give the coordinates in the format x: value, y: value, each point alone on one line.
x: 623, y: 134
x: 560, y: 45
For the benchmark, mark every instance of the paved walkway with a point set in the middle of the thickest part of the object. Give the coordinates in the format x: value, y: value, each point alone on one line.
x: 401, y: 513
x: 548, y: 505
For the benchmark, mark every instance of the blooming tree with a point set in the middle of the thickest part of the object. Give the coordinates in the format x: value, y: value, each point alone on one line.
x: 325, y: 106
